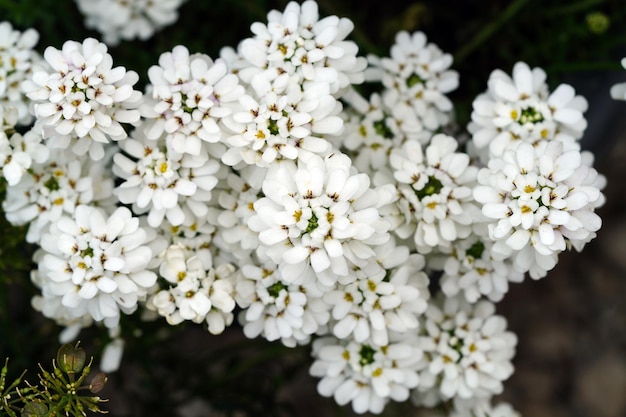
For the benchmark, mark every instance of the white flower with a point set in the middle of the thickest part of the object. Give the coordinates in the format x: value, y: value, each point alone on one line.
x: 468, y: 348
x: 54, y: 188
x: 236, y: 195
x: 128, y: 19
x: 473, y: 269
x: 541, y: 200
x: 618, y: 91
x: 377, y: 304
x: 435, y: 192
x: 522, y: 109
x: 81, y: 99
x: 319, y: 216
x: 268, y: 126
x: 17, y: 153
x: 297, y: 41
x: 17, y: 58
x: 416, y: 75
x: 193, y: 292
x: 96, y: 264
x: 275, y: 310
x: 363, y: 374
x: 186, y: 97
x: 162, y: 185
x: 373, y: 130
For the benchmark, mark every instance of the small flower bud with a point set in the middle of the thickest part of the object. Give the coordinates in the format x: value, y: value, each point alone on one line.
x: 97, y: 383
x: 71, y: 359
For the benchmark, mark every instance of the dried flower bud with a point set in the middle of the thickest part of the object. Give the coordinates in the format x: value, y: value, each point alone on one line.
x: 97, y: 383
x: 71, y: 359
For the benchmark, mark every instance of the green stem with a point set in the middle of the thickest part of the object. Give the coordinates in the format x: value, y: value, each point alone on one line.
x: 489, y: 30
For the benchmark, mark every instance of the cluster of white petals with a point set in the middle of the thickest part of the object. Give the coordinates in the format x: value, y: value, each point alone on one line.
x: 363, y: 374
x: 81, y: 100
x: 120, y: 20
x: 297, y: 42
x: 520, y: 108
x: 277, y: 310
x: 387, y: 297
x: 319, y: 219
x: 473, y: 269
x: 195, y: 292
x: 18, y: 152
x: 435, y: 205
x: 17, y: 59
x: 416, y: 76
x: 542, y: 201
x: 188, y: 94
x: 467, y: 352
x: 95, y: 264
x: 54, y: 188
x: 163, y: 185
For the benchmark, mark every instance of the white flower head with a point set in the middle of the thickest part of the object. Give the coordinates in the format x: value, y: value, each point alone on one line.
x: 473, y: 269
x: 55, y: 187
x: 192, y: 292
x: 364, y: 374
x: 468, y: 351
x: 120, y: 20
x: 165, y: 186
x: 269, y: 126
x: 18, y: 152
x: 319, y: 216
x: 435, y: 192
x: 388, y: 300
x: 373, y: 129
x: 276, y: 310
x: 81, y: 99
x: 520, y: 108
x: 17, y: 60
x: 187, y: 96
x: 96, y: 264
x: 297, y: 41
x: 416, y: 75
x: 541, y: 201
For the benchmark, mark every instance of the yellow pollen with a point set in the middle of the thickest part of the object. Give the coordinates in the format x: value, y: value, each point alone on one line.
x: 447, y: 359
x: 297, y: 215
x: 260, y: 134
x: 82, y: 265
x: 544, y: 133
x: 473, y: 347
x: 371, y: 285
x: 432, y: 205
x: 181, y: 275
x: 514, y: 114
x: 529, y: 189
x: 58, y: 201
x: 163, y: 167
x: 330, y: 217
x: 377, y: 372
x: 526, y: 209
x: 348, y: 297
x: 345, y: 355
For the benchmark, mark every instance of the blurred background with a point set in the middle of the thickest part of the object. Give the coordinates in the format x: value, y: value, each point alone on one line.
x: 571, y: 358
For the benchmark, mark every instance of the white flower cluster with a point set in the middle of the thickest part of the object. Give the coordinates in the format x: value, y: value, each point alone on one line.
x: 261, y: 187
x: 120, y: 20
x: 80, y: 100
